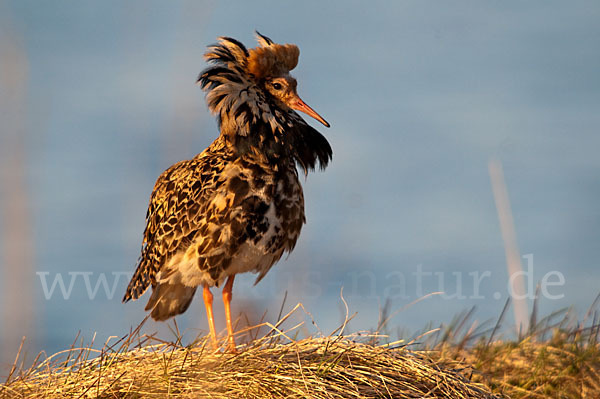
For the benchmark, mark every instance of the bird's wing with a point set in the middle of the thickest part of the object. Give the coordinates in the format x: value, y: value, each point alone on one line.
x: 171, y: 221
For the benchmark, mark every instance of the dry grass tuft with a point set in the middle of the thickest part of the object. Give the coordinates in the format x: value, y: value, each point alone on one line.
x: 336, y: 366
x: 556, y: 369
x: 559, y: 357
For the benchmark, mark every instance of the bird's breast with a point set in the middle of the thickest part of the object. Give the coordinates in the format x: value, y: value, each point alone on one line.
x: 273, y: 206
x: 254, y: 215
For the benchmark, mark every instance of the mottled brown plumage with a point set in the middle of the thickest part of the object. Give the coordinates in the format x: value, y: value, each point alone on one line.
x: 238, y: 205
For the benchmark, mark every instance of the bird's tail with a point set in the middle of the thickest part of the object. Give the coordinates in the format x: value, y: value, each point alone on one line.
x: 169, y: 300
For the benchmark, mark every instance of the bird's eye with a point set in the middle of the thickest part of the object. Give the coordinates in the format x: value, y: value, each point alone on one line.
x: 277, y: 86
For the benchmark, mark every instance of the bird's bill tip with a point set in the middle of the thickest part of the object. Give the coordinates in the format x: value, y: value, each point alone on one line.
x: 301, y: 106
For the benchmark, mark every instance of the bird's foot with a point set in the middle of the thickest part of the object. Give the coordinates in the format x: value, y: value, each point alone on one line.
x: 231, y: 347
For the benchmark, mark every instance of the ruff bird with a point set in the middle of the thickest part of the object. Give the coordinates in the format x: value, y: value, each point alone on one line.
x: 238, y: 206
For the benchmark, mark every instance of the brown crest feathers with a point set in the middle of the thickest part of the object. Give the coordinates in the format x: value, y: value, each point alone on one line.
x: 272, y: 59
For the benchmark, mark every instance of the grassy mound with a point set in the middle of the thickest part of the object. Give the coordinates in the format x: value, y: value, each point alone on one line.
x: 274, y: 366
x: 332, y: 367
x: 554, y: 360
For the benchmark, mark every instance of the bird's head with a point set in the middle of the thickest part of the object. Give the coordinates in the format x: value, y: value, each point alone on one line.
x: 283, y: 90
x: 255, y: 99
x: 269, y: 65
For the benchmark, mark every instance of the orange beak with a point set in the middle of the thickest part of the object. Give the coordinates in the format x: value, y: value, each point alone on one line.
x: 301, y: 106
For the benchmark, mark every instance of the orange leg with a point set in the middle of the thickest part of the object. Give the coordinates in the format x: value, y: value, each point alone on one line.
x: 227, y: 300
x: 208, y: 300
